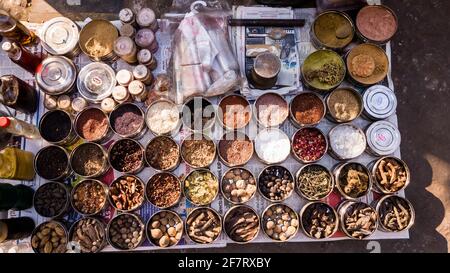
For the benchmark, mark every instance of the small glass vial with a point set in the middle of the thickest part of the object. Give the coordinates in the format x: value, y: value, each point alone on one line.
x: 146, y: 58
x: 121, y: 94
x: 126, y: 16
x: 22, y: 57
x: 124, y: 77
x: 65, y: 103
x: 137, y: 91
x: 145, y: 38
x: 127, y: 30
x: 19, y: 128
x: 50, y: 102
x: 108, y: 105
x: 78, y: 104
x: 143, y: 74
x: 126, y: 49
x: 146, y: 18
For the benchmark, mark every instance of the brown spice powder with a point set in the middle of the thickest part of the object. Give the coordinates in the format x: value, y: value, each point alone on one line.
x: 163, y: 190
x: 198, y: 152
x: 162, y: 153
x: 307, y: 108
x: 236, y: 152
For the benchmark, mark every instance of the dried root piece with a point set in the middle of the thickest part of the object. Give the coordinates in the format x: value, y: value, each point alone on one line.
x: 203, y: 225
x: 391, y: 174
x: 395, y: 213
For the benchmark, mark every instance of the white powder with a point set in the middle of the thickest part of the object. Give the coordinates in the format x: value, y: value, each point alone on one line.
x: 163, y: 117
x: 347, y: 141
x: 272, y: 145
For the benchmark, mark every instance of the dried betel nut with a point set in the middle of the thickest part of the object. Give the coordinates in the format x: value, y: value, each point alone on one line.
x: 165, y: 228
x: 89, y: 197
x: 280, y: 222
x: 241, y: 223
x: 51, y: 199
x: 238, y: 185
x: 126, y: 193
x: 126, y: 231
x: 49, y: 237
x: 90, y: 234
x: 203, y: 225
x: 319, y: 220
x: 276, y: 183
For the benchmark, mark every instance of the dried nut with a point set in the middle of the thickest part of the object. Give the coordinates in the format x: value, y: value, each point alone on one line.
x: 276, y: 183
x: 281, y: 222
x: 49, y: 237
x: 89, y: 196
x: 319, y: 220
x: 90, y: 234
x: 164, y: 241
x: 128, y: 230
x: 238, y: 185
x: 156, y: 233
x: 169, y: 231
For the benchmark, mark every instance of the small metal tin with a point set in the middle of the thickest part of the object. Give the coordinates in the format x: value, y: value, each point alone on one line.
x: 330, y: 174
x: 337, y: 172
x: 259, y: 187
x: 69, y: 139
x: 127, y: 30
x: 96, y: 82
x: 56, y: 75
x: 366, y: 39
x: 255, y: 109
x: 357, y: 95
x: 373, y: 166
x: 102, y: 32
x: 213, y: 211
x: 383, y: 138
x: 64, y: 103
x: 125, y: 48
x: 59, y: 36
x: 99, y: 222
x: 263, y: 225
x: 260, y: 156
x: 126, y: 16
x: 58, y: 223
x: 137, y: 170
x: 222, y: 185
x: 146, y: 58
x: 172, y: 168
x: 333, y: 153
x: 120, y: 94
x: 380, y: 102
x: 105, y: 137
x: 124, y: 77
x: 105, y: 195
x: 174, y: 203
x: 148, y: 227
x: 147, y: 113
x: 235, y: 208
x: 292, y: 114
x: 234, y: 135
x: 221, y: 111
x: 344, y: 32
x: 108, y: 232
x: 145, y: 38
x: 342, y: 210
x: 378, y: 205
x: 197, y: 136
x: 117, y: 181
x: 140, y: 132
x: 66, y: 173
x: 67, y: 205
x: 143, y: 74
x: 147, y: 18
x: 185, y: 188
x: 266, y: 67
x: 105, y: 165
x: 295, y: 154
x: 302, y: 212
x: 187, y: 114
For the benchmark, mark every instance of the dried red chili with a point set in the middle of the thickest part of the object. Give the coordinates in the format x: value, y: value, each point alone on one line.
x: 309, y: 144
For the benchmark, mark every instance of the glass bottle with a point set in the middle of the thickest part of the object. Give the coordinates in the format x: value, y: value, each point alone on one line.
x: 16, y: 164
x: 18, y: 197
x: 17, y: 94
x: 14, y: 30
x: 22, y: 57
x: 19, y: 127
x: 16, y: 228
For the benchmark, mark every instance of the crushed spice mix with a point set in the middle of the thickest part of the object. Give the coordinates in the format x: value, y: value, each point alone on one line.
x: 307, y: 108
x: 163, y: 190
x: 198, y: 151
x: 162, y: 153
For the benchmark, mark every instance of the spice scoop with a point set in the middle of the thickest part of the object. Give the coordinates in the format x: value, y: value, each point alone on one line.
x: 241, y: 224
x: 203, y: 225
x: 49, y: 237
x: 395, y: 213
x: 126, y: 193
x: 163, y: 190
x: 89, y: 234
x: 201, y: 187
x: 165, y: 228
x: 126, y: 231
x: 319, y: 220
x: 353, y: 180
x: 238, y: 185
x: 314, y: 182
x: 280, y: 222
x: 390, y: 174
x: 358, y: 220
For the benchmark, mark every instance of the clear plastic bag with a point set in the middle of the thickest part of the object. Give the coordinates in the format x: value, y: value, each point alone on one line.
x: 202, y: 60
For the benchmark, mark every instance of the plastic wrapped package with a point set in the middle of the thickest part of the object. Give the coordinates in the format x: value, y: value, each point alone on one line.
x: 203, y: 61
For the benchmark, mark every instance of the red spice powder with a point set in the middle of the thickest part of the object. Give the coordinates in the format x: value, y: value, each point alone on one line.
x: 307, y: 108
x: 376, y: 23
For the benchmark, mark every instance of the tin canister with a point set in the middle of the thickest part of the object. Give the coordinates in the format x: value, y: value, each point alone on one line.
x: 116, y: 112
x: 126, y: 49
x: 381, y: 203
x: 126, y: 16
x: 108, y: 105
x: 383, y: 138
x: 318, y: 166
x: 120, y: 94
x: 248, y: 209
x: 65, y: 208
x: 147, y: 18
x: 329, y: 96
x: 154, y: 176
x: 60, y: 224
x: 78, y: 104
x: 77, y: 152
x: 342, y: 212
x: 59, y: 36
x: 341, y: 24
x: 266, y: 67
x: 97, y: 40
x: 104, y: 195
x: 380, y: 102
x: 378, y: 187
x: 127, y: 30
x: 63, y: 117
x: 117, y: 218
x: 302, y: 219
x: 266, y: 217
x: 56, y: 75
x: 190, y: 218
x: 117, y: 181
x: 102, y: 226
x: 334, y: 153
x: 179, y: 228
x: 145, y: 38
x: 107, y: 135
x: 51, y: 149
x: 298, y: 99
x: 138, y: 91
x: 337, y: 174
x: 96, y: 81
x: 124, y: 77
x: 377, y: 25
x: 143, y: 74
x: 146, y: 58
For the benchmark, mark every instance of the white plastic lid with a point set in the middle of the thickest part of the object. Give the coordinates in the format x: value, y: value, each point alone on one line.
x: 120, y: 93
x: 136, y: 88
x: 383, y: 137
x: 145, y: 17
x: 124, y: 77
